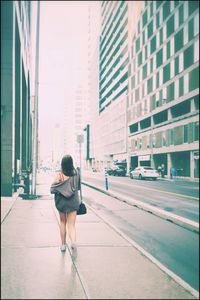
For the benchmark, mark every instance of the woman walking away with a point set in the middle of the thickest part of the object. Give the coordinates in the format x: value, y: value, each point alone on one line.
x: 67, y: 200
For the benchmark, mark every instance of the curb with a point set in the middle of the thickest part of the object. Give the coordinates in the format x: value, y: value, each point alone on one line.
x: 183, y: 222
x: 167, y: 271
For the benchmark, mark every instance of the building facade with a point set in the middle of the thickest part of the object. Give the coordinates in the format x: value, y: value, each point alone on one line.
x: 16, y: 102
x: 163, y: 89
x: 113, y: 80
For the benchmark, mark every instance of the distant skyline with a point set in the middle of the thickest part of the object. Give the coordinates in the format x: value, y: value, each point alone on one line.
x: 63, y: 48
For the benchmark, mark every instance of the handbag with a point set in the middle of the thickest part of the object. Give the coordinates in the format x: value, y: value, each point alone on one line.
x: 82, y: 207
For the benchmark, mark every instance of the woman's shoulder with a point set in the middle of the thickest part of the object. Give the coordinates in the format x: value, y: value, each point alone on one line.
x: 59, y: 176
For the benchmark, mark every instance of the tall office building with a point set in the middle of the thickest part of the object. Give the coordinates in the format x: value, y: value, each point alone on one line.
x: 163, y: 97
x: 16, y: 102
x: 92, y: 134
x: 113, y: 79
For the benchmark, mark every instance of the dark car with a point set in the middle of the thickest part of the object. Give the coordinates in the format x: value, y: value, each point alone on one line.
x: 109, y: 171
x: 119, y: 171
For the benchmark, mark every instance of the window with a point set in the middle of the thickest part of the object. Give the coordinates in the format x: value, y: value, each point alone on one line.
x: 171, y: 136
x: 194, y: 79
x: 137, y: 46
x: 151, y: 65
x: 158, y: 19
x: 137, y: 95
x: 196, y: 131
x: 149, y: 85
x: 180, y: 86
x: 191, y: 29
x: 166, y: 73
x: 176, y: 65
x: 185, y: 136
x: 193, y: 5
x: 144, y: 71
x: 140, y: 58
x: 196, y: 51
x: 150, y: 29
x: 170, y: 92
x: 138, y: 27
x: 153, y: 44
x: 170, y: 25
x: 196, y: 24
x: 143, y: 37
x: 178, y: 40
x: 161, y: 36
x: 188, y: 57
x: 133, y: 82
x: 180, y: 15
x: 166, y: 10
x: 164, y: 141
x: 159, y: 58
x: 168, y: 50
x: 157, y: 80
x: 151, y: 9
x: 144, y: 19
x: 146, y: 52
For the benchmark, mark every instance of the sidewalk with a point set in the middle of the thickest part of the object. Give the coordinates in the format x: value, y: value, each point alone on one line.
x: 107, y: 265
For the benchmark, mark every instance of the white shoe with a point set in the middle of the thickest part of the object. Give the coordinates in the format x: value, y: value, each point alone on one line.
x: 74, y: 250
x: 63, y: 248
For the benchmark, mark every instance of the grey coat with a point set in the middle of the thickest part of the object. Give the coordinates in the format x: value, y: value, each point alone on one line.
x: 66, y: 194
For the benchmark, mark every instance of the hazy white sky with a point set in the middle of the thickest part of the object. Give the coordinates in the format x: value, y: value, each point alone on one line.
x: 63, y: 46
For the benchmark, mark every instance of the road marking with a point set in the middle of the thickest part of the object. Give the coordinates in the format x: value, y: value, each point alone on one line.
x: 181, y: 221
x: 156, y: 190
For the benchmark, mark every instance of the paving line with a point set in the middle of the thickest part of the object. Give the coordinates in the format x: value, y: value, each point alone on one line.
x: 80, y: 276
x: 183, y: 222
x: 179, y: 280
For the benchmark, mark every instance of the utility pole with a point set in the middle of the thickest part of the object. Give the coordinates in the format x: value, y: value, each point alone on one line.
x: 35, y: 118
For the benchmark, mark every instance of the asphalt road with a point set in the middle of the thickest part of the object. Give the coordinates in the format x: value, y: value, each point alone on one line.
x: 178, y: 197
x: 175, y: 247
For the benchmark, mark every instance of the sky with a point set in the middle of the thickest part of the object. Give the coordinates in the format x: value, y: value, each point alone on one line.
x: 63, y: 46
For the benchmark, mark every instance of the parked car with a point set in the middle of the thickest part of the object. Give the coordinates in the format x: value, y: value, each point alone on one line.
x: 144, y: 172
x: 109, y: 171
x: 119, y: 171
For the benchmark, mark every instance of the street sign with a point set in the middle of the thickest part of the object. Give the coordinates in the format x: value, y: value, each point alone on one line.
x: 80, y: 138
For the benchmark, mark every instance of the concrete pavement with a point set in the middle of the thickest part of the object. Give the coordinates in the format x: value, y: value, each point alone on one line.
x: 107, y: 266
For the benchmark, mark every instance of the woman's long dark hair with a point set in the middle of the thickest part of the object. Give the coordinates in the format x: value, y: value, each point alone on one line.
x: 67, y: 166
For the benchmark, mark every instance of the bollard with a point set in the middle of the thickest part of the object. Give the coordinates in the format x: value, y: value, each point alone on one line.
x: 106, y: 179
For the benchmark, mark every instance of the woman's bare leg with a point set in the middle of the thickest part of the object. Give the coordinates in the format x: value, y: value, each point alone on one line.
x: 71, y: 220
x: 63, y: 221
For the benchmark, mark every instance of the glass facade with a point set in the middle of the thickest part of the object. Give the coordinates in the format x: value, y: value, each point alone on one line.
x: 165, y: 72
x: 113, y: 52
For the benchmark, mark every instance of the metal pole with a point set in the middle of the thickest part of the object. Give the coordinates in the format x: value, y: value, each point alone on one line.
x: 35, y: 119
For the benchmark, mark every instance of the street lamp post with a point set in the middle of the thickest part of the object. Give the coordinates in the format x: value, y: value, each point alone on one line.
x: 80, y: 140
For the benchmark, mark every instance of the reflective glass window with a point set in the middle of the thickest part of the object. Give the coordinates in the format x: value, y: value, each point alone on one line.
x: 178, y: 40
x: 170, y: 26
x: 166, y: 73
x: 188, y: 57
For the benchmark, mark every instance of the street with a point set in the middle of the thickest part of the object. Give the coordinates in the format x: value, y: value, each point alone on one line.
x: 174, y: 246
x: 181, y: 198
